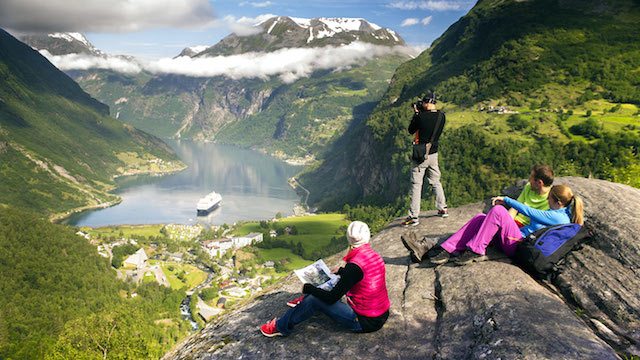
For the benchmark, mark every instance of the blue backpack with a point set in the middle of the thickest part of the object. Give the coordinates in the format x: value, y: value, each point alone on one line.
x: 542, y: 251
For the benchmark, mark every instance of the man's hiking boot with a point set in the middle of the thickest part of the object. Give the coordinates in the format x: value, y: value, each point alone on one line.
x: 417, y: 247
x: 295, y: 302
x: 443, y: 213
x: 410, y: 221
x: 441, y: 257
x: 270, y: 329
x: 468, y: 257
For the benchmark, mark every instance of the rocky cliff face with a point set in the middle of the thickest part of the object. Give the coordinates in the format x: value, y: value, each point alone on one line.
x: 488, y: 310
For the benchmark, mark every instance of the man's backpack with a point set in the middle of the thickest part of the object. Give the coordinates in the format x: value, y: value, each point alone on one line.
x: 541, y: 252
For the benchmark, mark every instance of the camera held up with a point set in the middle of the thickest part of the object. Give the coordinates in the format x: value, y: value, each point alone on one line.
x: 430, y: 98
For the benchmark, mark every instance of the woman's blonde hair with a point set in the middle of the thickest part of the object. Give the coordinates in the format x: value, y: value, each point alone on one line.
x: 564, y: 195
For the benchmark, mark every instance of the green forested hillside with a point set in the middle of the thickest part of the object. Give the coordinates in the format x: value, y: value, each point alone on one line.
x: 303, y: 118
x: 58, y: 146
x: 567, y: 73
x: 61, y: 300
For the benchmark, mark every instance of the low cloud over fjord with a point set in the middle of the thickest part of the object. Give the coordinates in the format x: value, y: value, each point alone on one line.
x: 287, y: 64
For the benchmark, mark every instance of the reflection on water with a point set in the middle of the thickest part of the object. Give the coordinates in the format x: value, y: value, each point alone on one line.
x: 252, y: 185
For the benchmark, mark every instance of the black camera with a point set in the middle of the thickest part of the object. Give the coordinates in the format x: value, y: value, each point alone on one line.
x: 430, y: 98
x: 418, y: 104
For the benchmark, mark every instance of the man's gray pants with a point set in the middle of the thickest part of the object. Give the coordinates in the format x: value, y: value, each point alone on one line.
x: 430, y: 166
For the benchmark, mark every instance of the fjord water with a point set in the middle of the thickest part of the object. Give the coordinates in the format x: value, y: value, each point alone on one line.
x: 252, y: 185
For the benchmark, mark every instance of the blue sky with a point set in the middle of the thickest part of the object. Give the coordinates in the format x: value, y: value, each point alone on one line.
x: 162, y: 28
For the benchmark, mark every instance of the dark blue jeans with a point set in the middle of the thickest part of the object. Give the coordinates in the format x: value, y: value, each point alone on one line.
x: 339, y: 311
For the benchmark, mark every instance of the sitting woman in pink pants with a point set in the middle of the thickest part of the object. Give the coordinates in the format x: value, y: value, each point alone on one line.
x: 474, y: 237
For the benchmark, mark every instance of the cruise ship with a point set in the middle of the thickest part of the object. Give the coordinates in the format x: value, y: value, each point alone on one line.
x: 208, y: 203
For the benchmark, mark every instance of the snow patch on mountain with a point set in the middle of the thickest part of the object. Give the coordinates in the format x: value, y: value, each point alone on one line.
x: 301, y: 21
x: 71, y: 36
x: 198, y: 48
x: 393, y: 33
x: 331, y: 26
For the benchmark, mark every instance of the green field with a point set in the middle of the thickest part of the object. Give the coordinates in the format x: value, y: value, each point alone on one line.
x: 314, y: 233
x: 277, y: 254
x: 192, y: 275
x: 125, y: 230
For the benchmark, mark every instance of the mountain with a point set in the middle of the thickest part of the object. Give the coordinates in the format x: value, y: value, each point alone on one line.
x: 564, y: 71
x: 290, y: 32
x: 61, y: 43
x: 235, y: 110
x: 58, y: 145
x: 193, y: 50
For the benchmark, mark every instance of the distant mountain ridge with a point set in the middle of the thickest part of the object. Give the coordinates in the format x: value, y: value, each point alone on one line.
x: 291, y: 32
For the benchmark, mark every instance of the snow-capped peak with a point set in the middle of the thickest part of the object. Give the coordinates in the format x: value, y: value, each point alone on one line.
x: 71, y: 36
x: 346, y: 24
x: 336, y: 24
x: 198, y: 48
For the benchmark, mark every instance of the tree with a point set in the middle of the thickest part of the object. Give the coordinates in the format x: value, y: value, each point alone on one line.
x: 209, y: 293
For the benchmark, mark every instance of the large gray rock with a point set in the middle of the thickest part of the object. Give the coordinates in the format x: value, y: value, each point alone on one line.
x: 489, y: 310
x: 603, y: 278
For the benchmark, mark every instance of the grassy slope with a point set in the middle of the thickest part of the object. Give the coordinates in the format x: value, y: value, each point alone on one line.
x: 58, y: 295
x: 59, y: 143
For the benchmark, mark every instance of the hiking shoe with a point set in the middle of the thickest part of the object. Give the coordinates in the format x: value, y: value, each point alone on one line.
x: 295, y: 302
x: 441, y: 257
x: 443, y: 213
x: 468, y: 257
x: 269, y: 329
x: 410, y: 221
x: 417, y: 247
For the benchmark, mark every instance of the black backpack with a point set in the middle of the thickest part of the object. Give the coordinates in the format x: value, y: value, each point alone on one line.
x: 541, y: 252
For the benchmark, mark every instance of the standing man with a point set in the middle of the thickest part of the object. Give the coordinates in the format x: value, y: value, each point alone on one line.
x: 427, y: 124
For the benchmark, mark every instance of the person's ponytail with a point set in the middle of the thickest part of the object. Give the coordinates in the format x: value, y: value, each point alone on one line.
x: 564, y: 196
x: 577, y: 211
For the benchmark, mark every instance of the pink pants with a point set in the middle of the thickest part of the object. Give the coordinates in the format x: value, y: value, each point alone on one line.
x: 478, y: 232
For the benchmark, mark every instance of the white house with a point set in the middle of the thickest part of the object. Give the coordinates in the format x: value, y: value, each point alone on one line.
x: 137, y: 260
x: 217, y: 247
x: 247, y: 240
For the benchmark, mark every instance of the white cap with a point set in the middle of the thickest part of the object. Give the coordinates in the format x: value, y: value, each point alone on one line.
x: 358, y: 234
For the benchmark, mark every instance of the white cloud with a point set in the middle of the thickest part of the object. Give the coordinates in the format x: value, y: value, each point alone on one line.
x: 426, y: 21
x: 419, y: 48
x: 433, y: 5
x: 86, y: 62
x: 245, y: 26
x: 103, y: 16
x: 409, y: 22
x: 263, y: 4
x: 287, y: 64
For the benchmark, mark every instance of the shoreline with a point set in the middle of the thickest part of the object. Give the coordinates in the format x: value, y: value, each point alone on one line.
x: 58, y: 218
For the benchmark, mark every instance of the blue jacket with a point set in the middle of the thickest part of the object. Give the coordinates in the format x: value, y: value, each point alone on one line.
x: 539, y: 218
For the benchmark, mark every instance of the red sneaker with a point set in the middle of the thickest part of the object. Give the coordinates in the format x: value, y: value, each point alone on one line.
x: 269, y: 329
x: 295, y: 302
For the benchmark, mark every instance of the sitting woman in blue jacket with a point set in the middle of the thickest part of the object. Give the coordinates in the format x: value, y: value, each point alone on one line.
x: 474, y: 237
